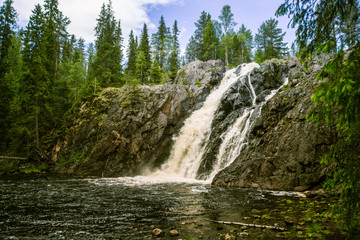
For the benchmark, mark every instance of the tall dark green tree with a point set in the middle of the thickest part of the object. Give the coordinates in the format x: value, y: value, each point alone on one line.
x: 143, y: 62
x: 8, y: 26
x: 156, y: 74
x: 131, y: 55
x: 31, y: 110
x: 269, y: 41
x: 161, y: 43
x: 337, y: 97
x: 191, y: 50
x: 107, y: 62
x: 90, y: 86
x: 174, y: 60
x: 227, y: 23
x: 196, y: 44
x: 211, y: 42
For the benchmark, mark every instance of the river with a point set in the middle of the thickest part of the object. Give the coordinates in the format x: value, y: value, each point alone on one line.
x: 59, y: 207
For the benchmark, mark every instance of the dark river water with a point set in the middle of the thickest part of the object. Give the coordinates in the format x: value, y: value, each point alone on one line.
x: 48, y: 207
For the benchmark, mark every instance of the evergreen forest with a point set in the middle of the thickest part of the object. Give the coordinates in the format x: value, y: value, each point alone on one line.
x: 47, y: 71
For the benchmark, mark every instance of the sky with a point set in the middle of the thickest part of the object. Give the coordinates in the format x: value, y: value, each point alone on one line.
x: 134, y: 13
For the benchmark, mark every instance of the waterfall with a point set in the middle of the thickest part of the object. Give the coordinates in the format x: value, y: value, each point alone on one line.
x: 190, y: 144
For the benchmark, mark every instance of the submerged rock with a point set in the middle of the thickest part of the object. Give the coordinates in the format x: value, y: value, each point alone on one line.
x: 174, y: 233
x: 158, y: 232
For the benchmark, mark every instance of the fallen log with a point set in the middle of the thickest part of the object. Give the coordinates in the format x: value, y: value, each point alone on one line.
x: 252, y: 225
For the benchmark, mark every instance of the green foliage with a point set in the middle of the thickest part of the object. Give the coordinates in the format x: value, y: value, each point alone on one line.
x: 161, y: 43
x: 198, y: 83
x: 320, y: 30
x: 269, y: 41
x: 211, y: 42
x: 107, y: 62
x: 195, y: 48
x: 227, y: 23
x: 337, y: 99
x: 174, y: 60
x: 131, y: 54
x: 322, y: 25
x: 9, y: 58
x: 155, y: 73
x: 346, y: 155
x: 7, y: 166
x: 143, y: 62
x: 76, y: 157
x: 132, y: 95
x: 242, y: 44
x: 35, y: 168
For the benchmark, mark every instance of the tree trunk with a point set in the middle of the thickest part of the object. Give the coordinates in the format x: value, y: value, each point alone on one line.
x: 37, y: 124
x: 226, y: 56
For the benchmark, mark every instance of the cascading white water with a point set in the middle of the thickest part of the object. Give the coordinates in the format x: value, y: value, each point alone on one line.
x: 235, y: 139
x: 189, y: 146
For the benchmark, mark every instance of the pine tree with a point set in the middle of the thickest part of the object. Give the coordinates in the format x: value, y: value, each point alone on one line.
x: 155, y: 73
x: 8, y: 26
x: 199, y: 34
x: 269, y: 41
x: 211, y: 42
x: 141, y: 67
x: 107, y: 63
x: 160, y: 42
x: 89, y: 87
x: 32, y: 112
x: 143, y: 63
x: 228, y: 24
x: 131, y: 55
x: 175, y: 51
x: 191, y: 50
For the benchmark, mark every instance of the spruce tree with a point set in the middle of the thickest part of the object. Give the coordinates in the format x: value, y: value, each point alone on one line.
x: 143, y: 63
x: 156, y: 73
x: 269, y: 41
x: 191, y: 50
x: 141, y: 67
x: 160, y: 42
x: 8, y: 26
x: 199, y: 34
x: 32, y: 113
x: 175, y: 51
x: 131, y: 55
x: 107, y: 62
x: 211, y: 42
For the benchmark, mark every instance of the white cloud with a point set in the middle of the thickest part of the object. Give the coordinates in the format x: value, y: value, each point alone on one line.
x: 83, y: 14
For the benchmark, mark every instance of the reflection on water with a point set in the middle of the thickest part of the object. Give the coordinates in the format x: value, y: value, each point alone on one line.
x: 44, y: 207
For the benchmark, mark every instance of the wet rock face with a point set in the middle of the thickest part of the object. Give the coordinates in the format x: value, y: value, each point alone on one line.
x: 124, y: 131
x: 284, y: 149
x: 236, y: 99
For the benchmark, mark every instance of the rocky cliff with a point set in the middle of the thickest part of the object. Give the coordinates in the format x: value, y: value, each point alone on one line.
x: 284, y: 149
x: 124, y: 131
